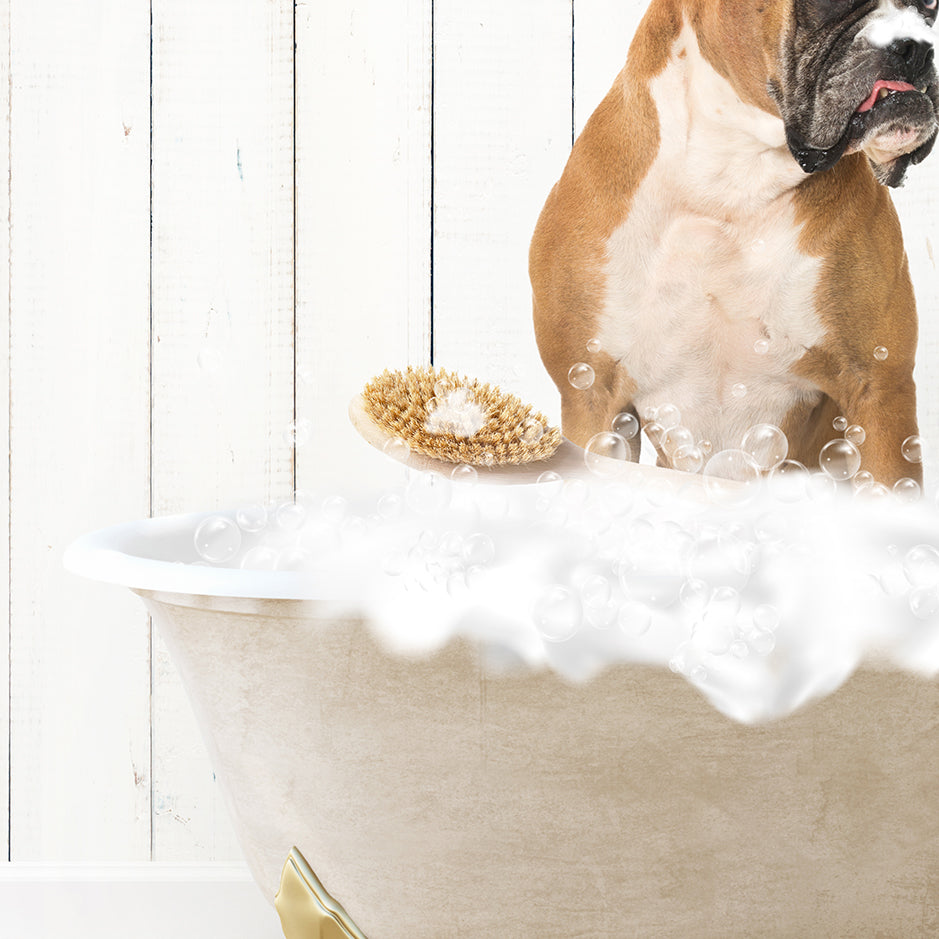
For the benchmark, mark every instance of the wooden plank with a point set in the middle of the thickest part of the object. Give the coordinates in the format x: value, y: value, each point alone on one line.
x: 602, y: 34
x: 918, y: 206
x: 223, y: 310
x: 4, y: 430
x: 363, y: 223
x: 502, y: 106
x: 79, y: 424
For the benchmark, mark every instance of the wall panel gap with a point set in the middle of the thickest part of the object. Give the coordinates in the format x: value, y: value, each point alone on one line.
x: 6, y: 252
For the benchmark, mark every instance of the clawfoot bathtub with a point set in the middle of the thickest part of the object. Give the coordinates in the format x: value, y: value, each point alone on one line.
x: 434, y: 797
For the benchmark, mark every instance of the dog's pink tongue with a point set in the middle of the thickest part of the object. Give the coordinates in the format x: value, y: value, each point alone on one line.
x: 878, y: 85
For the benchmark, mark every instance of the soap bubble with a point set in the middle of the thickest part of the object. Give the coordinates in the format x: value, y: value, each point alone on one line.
x: 634, y: 619
x: 766, y: 444
x: 761, y: 346
x: 907, y: 490
x: 217, y: 539
x: 880, y: 353
x: 602, y: 615
x: 531, y: 430
x: 334, y: 508
x: 655, y: 432
x: 766, y: 617
x: 259, y: 558
x: 921, y: 566
x: 594, y: 345
x: 839, y: 459
x: 681, y: 661
x: 706, y: 447
x: 862, y: 480
x: 694, y: 595
x: 840, y: 424
x: 478, y: 549
x: 464, y: 473
x: 390, y: 506
x: 251, y: 517
x: 668, y: 416
x: 428, y: 493
x: 762, y: 641
x: 649, y: 412
x: 595, y: 589
x: 856, y: 434
x: 675, y: 438
x: 924, y: 602
x: 551, y: 480
x: 739, y: 390
x: 730, y: 476
x: 626, y: 425
x: 581, y: 376
x: 443, y: 387
x: 290, y: 515
x: 397, y: 448
x: 788, y: 481
x: 688, y: 459
x: 605, y: 453
x: 557, y: 613
x: 912, y: 449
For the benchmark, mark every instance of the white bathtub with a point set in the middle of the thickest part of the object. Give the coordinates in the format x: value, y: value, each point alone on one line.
x: 434, y: 799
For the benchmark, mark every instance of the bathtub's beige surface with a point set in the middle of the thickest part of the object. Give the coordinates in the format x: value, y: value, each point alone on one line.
x: 435, y: 802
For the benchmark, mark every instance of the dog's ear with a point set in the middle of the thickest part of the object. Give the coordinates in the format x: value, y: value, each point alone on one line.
x: 893, y: 173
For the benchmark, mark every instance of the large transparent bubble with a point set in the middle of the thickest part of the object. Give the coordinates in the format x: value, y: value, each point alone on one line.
x: 840, y: 459
x: 766, y: 445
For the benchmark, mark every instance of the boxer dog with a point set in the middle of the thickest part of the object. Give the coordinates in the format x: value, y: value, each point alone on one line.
x: 721, y: 234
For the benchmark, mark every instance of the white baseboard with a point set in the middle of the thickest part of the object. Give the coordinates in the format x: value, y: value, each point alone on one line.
x: 146, y: 901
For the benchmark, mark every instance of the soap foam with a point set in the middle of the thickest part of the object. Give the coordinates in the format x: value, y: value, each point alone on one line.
x: 762, y: 603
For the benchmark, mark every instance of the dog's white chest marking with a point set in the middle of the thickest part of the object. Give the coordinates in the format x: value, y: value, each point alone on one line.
x: 709, y: 302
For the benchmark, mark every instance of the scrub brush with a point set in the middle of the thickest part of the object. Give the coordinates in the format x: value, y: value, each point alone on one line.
x: 459, y: 420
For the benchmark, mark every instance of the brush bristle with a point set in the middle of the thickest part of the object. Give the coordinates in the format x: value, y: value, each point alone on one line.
x: 418, y: 406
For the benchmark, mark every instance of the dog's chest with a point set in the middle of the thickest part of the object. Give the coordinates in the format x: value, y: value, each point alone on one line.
x: 710, y: 316
x: 709, y: 301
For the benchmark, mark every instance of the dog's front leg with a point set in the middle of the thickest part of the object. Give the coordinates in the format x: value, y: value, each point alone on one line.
x: 880, y: 400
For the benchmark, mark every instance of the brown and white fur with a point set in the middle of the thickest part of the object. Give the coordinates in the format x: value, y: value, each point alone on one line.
x: 729, y: 190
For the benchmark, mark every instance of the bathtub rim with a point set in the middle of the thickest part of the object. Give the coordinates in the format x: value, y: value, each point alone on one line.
x: 119, y: 555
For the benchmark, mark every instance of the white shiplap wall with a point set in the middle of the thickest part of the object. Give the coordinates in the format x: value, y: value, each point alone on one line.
x: 427, y: 134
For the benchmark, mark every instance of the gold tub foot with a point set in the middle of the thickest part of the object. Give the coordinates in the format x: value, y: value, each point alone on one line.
x: 306, y: 910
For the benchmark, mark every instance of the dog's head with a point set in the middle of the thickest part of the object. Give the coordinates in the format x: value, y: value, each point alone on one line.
x: 858, y: 75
